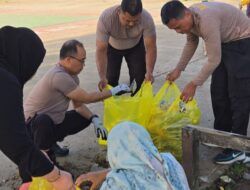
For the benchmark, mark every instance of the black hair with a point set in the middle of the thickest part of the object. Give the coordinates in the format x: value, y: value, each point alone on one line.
x: 69, y: 48
x: 133, y: 7
x: 172, y: 10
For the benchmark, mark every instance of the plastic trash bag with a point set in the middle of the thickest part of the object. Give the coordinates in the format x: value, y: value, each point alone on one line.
x: 39, y: 183
x: 244, y: 2
x: 163, y: 115
x: 127, y: 108
x: 168, y: 115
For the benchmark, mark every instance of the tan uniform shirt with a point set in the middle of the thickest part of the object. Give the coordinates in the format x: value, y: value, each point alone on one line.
x: 110, y: 30
x: 49, y: 95
x: 215, y: 23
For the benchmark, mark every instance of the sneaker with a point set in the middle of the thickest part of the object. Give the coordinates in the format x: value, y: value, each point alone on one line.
x: 59, y: 152
x: 229, y: 156
x: 247, y: 159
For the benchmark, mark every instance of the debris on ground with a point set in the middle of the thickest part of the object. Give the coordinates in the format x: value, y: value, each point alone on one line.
x: 233, y: 178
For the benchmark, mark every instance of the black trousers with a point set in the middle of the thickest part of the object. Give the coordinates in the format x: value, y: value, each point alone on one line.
x: 15, y: 142
x: 45, y: 133
x: 135, y: 58
x: 230, y: 88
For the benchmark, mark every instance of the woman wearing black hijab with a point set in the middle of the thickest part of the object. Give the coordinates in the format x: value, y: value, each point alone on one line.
x: 21, y: 53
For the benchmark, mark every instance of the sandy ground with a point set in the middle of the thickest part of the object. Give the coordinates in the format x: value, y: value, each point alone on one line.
x: 84, y: 150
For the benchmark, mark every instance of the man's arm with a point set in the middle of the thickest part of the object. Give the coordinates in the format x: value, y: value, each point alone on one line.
x: 212, y: 38
x: 82, y: 109
x: 151, y: 54
x: 188, y: 51
x: 102, y: 38
x: 82, y: 96
x: 101, y: 60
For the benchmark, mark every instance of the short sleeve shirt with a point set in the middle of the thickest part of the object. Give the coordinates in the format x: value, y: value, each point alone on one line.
x: 49, y: 96
x: 110, y: 30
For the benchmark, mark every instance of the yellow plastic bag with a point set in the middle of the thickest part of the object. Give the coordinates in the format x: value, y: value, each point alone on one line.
x: 163, y: 115
x: 39, y: 183
x: 127, y: 108
x: 168, y: 115
x: 244, y: 2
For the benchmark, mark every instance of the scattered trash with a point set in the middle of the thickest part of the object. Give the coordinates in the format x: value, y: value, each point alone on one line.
x: 221, y: 188
x: 226, y: 179
x: 232, y: 179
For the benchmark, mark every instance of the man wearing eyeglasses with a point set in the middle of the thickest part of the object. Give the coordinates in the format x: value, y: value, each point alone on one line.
x: 128, y: 31
x: 45, y: 108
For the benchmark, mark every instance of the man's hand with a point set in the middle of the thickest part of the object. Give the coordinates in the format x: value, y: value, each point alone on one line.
x: 188, y: 92
x: 120, y: 88
x: 173, y: 75
x: 100, y: 131
x: 102, y: 84
x: 149, y: 77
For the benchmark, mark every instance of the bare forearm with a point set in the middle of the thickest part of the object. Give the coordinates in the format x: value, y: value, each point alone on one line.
x: 101, y: 62
x: 84, y: 111
x: 97, y: 96
x: 99, y: 175
x: 151, y: 55
x: 104, y: 173
x: 81, y: 96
